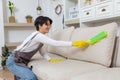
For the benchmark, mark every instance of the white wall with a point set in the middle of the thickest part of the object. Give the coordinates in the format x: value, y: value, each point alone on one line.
x: 25, y: 7
x: 1, y: 26
x: 57, y: 19
x: 1, y: 29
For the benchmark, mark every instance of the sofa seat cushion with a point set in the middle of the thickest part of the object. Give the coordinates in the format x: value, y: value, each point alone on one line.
x: 61, y: 70
x: 104, y: 74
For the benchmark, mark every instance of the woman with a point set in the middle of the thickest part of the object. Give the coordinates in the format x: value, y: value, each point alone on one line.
x: 20, y: 57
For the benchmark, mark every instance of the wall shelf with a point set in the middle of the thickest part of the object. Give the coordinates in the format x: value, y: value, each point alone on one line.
x: 11, y: 46
x: 72, y: 21
x: 12, y: 30
x: 18, y: 25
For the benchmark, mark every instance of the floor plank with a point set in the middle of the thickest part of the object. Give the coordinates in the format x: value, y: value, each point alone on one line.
x: 6, y: 75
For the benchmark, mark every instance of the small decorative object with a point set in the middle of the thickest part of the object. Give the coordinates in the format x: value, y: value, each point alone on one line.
x: 102, y: 0
x: 38, y: 9
x: 11, y: 8
x: 29, y: 18
x: 58, y: 9
x: 5, y: 55
x: 73, y: 12
x: 88, y: 2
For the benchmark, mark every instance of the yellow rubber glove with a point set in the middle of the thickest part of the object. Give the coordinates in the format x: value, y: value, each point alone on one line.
x: 52, y: 60
x: 80, y: 43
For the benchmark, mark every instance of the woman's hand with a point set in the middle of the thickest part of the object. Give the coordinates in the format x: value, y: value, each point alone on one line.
x: 80, y: 43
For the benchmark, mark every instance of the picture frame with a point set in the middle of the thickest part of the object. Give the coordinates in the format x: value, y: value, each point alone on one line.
x: 58, y: 9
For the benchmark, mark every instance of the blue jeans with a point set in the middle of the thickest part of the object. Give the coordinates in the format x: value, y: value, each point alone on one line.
x: 22, y: 73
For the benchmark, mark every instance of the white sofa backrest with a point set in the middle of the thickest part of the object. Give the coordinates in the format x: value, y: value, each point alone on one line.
x: 64, y: 35
x: 100, y: 52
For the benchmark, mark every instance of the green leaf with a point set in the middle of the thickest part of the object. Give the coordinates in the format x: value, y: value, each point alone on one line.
x: 5, y: 54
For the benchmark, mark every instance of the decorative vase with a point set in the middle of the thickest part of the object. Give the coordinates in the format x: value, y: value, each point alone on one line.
x: 88, y: 2
x: 5, y: 68
x: 29, y: 20
x: 11, y: 19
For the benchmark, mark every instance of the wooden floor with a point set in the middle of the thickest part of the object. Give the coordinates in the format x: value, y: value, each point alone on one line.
x: 6, y: 75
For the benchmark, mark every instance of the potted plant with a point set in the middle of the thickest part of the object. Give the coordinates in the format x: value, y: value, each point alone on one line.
x: 11, y: 7
x: 89, y: 2
x: 29, y: 18
x: 5, y: 55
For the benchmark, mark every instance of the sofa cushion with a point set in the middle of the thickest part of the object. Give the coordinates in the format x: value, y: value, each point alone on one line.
x: 64, y: 35
x: 100, y: 52
x: 117, y: 58
x: 61, y: 70
x: 103, y: 74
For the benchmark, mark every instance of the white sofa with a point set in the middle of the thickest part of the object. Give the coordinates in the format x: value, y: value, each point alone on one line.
x: 90, y: 63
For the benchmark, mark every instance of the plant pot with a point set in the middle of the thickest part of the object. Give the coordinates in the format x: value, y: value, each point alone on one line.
x: 11, y: 19
x: 5, y: 68
x: 29, y: 20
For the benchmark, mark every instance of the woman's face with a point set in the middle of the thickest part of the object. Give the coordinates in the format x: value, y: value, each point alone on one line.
x: 45, y: 28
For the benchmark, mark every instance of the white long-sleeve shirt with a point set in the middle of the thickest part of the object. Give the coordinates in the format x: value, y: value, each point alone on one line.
x: 40, y: 38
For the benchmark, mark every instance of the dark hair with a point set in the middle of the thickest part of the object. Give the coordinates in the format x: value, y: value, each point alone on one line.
x: 41, y: 20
